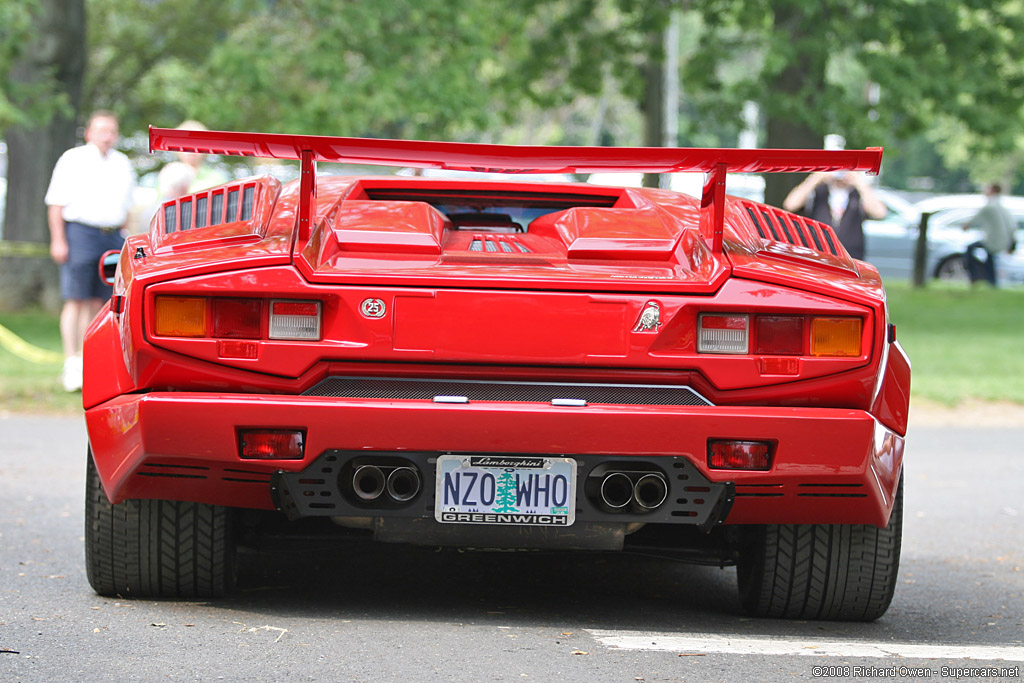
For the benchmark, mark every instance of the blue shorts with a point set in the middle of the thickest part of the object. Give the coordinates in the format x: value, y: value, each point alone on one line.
x: 80, y: 276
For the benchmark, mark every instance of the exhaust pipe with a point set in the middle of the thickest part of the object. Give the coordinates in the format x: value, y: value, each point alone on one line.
x: 650, y: 491
x: 368, y: 482
x: 616, y: 490
x: 403, y: 484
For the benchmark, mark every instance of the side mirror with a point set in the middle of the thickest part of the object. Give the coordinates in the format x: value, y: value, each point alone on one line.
x: 108, y: 265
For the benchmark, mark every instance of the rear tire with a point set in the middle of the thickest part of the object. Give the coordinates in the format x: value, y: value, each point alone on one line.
x: 156, y: 548
x: 952, y: 269
x: 842, y: 572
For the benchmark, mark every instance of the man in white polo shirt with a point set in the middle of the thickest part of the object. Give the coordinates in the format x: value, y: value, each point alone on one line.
x: 87, y: 208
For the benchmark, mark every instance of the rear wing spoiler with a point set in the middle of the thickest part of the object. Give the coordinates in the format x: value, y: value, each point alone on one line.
x: 465, y: 156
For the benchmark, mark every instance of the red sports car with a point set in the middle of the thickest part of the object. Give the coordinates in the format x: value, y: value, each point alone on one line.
x: 499, y: 364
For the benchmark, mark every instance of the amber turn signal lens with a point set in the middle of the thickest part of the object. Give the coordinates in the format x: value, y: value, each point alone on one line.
x: 836, y: 337
x: 180, y: 316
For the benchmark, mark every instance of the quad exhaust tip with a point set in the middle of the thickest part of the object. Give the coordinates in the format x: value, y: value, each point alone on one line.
x: 647, y: 492
x: 650, y: 491
x: 403, y: 484
x: 400, y: 484
x: 368, y: 482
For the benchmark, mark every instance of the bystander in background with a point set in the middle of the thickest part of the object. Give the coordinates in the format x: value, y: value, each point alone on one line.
x: 842, y: 200
x: 88, y: 200
x: 997, y: 225
x: 205, y: 176
x: 174, y: 180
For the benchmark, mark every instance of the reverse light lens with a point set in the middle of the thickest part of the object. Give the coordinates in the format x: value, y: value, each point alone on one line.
x: 718, y: 333
x: 739, y: 455
x: 237, y: 318
x: 180, y: 316
x: 270, y: 444
x: 836, y: 337
x: 294, y: 320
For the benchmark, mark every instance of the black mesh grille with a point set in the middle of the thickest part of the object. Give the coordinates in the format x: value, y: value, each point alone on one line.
x: 533, y: 392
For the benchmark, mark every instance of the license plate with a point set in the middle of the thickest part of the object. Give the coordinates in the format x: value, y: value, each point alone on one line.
x: 481, y: 489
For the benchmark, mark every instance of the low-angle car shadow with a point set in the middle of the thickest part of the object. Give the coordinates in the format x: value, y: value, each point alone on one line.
x: 332, y: 578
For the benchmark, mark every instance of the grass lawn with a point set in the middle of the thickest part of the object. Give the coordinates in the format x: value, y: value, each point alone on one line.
x: 27, y: 386
x: 963, y: 344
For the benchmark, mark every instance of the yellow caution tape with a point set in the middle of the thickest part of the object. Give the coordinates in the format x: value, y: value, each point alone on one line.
x: 21, y: 348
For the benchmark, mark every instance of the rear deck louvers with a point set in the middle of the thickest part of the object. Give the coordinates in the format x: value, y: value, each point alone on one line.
x: 782, y: 226
x: 502, y: 245
x: 208, y: 208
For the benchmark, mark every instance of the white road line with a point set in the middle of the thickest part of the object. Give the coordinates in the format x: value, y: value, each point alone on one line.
x: 753, y: 645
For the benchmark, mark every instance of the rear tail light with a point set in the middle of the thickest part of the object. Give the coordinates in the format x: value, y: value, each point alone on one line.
x: 723, y: 333
x: 294, y: 320
x: 270, y: 444
x: 237, y: 318
x: 835, y: 336
x: 180, y: 316
x: 739, y: 455
x: 780, y: 335
x: 227, y: 318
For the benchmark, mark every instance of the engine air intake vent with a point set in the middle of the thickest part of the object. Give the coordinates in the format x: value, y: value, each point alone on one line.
x: 235, y: 203
x: 501, y: 245
x: 782, y: 226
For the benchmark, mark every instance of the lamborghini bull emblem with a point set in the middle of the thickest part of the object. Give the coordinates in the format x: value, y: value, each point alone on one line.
x: 650, y: 319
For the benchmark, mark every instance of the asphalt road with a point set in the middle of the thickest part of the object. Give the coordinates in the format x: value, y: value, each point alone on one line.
x: 382, y: 613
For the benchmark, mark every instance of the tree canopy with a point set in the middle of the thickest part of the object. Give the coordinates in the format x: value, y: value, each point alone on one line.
x: 933, y: 81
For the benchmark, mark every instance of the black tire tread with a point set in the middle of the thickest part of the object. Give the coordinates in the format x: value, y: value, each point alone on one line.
x: 841, y: 572
x: 155, y: 548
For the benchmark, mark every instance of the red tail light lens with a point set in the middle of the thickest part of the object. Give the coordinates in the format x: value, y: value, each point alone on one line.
x: 779, y: 335
x: 237, y: 318
x: 739, y: 455
x: 270, y: 444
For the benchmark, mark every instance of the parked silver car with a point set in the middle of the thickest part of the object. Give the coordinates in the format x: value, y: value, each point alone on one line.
x: 891, y: 241
x: 950, y: 213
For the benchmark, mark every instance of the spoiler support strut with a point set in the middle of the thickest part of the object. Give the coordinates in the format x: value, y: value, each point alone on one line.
x: 465, y: 156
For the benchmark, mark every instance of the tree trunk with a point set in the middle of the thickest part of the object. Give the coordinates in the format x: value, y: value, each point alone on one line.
x: 653, y: 107
x: 802, y: 126
x: 58, y: 49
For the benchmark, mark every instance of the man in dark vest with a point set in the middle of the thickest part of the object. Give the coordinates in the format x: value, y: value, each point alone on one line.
x: 841, y: 199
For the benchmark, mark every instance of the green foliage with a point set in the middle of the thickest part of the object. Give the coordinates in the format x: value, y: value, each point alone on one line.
x: 24, y: 101
x: 940, y: 65
x: 386, y: 68
x: 143, y: 55
x: 15, y: 32
x: 399, y: 69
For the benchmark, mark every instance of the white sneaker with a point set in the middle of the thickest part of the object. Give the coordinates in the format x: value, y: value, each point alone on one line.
x: 71, y: 377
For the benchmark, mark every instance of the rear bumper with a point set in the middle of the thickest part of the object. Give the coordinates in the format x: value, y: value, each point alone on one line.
x: 831, y: 465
